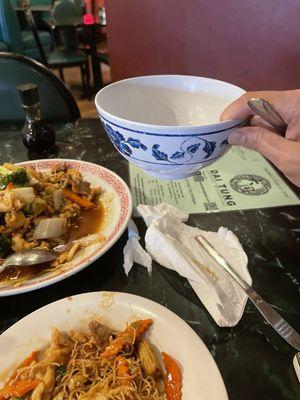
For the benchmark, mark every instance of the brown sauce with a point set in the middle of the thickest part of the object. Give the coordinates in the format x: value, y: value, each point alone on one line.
x: 89, y: 222
x: 12, y: 274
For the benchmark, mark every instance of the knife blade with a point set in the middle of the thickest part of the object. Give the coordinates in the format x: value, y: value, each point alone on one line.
x: 278, y: 323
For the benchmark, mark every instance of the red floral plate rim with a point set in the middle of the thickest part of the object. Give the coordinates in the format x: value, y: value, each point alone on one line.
x: 118, y: 186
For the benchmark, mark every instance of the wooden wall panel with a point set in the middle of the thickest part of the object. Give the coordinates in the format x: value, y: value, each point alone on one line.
x: 252, y: 43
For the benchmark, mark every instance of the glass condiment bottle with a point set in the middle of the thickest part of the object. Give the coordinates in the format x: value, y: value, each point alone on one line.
x: 36, y: 133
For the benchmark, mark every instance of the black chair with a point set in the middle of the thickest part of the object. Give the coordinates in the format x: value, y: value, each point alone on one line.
x: 103, y: 58
x: 57, y: 102
x: 68, y: 54
x: 97, y: 53
x: 17, y: 40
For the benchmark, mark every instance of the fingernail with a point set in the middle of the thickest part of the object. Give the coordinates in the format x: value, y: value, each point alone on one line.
x: 237, y: 137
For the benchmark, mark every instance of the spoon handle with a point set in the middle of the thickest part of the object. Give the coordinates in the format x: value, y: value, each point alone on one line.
x: 266, y: 111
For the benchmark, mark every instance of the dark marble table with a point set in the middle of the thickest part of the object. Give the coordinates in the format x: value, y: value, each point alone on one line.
x: 254, y: 361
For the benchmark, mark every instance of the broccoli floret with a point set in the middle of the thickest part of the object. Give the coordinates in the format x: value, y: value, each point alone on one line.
x: 19, y: 177
x: 4, y: 177
x: 5, y: 246
x: 60, y: 371
x: 4, y: 171
x: 4, y: 181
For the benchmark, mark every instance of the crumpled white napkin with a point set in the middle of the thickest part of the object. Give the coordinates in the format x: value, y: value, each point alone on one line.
x: 172, y: 243
x: 133, y: 251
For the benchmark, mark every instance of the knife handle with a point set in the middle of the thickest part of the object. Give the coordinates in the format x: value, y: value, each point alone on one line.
x: 220, y: 260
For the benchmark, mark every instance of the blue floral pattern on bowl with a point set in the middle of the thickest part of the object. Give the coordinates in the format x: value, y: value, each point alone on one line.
x: 185, y: 153
x: 123, y: 145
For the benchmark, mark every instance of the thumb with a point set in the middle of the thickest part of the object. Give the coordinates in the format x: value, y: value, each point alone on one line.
x: 269, y: 144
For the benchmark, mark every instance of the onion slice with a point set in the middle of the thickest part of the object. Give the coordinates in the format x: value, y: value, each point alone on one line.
x: 58, y: 199
x: 49, y: 228
x: 24, y: 194
x: 89, y: 240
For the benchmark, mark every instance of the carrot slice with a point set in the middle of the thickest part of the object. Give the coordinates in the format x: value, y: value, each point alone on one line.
x: 122, y: 367
x: 141, y: 326
x: 172, y: 378
x: 18, y: 389
x: 132, y: 332
x: 27, y: 361
x: 10, y: 186
x: 84, y: 203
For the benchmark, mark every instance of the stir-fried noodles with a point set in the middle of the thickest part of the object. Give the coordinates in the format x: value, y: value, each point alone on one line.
x: 96, y: 365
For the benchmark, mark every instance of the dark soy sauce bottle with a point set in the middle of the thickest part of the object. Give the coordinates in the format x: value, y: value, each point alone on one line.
x: 36, y: 134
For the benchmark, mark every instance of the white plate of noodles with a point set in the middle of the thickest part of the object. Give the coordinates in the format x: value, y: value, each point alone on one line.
x: 99, y: 349
x: 57, y: 202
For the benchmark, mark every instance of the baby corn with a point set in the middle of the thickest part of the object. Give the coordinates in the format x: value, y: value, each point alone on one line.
x: 149, y: 360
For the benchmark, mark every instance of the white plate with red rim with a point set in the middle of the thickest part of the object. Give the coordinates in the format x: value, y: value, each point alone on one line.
x: 201, y: 379
x: 117, y: 200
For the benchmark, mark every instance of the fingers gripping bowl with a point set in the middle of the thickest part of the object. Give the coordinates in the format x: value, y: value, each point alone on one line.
x: 168, y: 124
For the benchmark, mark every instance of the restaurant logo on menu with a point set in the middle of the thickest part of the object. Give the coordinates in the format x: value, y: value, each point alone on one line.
x: 250, y: 185
x: 222, y: 188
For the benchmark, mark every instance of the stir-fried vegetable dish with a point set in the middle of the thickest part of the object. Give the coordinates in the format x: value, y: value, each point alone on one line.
x: 99, y: 364
x: 39, y: 209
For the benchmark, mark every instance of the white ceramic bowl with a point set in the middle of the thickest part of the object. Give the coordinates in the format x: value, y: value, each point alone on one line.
x: 168, y: 124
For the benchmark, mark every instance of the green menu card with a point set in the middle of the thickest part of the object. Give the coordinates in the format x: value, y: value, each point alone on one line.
x: 242, y: 179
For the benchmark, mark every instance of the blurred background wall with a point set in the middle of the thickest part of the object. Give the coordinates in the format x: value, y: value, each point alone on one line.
x: 252, y: 43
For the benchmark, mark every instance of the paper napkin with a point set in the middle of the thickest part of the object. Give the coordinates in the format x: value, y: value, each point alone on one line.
x: 171, y: 243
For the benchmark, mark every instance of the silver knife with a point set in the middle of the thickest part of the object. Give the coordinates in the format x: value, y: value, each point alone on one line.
x: 280, y: 325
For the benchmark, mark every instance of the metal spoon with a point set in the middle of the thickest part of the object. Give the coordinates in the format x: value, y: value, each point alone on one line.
x: 266, y: 111
x: 34, y: 257
x: 29, y: 257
